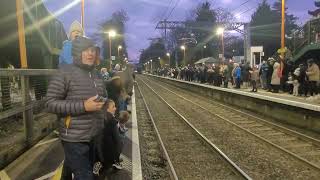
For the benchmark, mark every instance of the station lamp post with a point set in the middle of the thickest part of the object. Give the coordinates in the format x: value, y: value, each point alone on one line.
x: 151, y: 66
x: 184, y: 54
x: 220, y: 31
x: 119, y: 48
x: 204, y: 47
x: 168, y: 54
x: 111, y: 34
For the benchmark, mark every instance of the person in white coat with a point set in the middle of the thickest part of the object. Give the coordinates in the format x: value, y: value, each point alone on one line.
x: 275, y: 79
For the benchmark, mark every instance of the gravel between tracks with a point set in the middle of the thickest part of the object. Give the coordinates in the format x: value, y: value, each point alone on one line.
x: 154, y: 166
x: 191, y: 159
x: 255, y: 157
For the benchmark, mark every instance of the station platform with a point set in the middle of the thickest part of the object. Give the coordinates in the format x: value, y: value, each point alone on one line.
x: 281, y: 107
x: 281, y: 97
x: 44, y: 160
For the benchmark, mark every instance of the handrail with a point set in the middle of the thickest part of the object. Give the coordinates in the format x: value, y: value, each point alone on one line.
x: 27, y: 72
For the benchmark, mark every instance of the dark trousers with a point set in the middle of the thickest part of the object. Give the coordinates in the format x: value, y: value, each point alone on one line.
x: 238, y: 82
x: 254, y: 85
x: 313, y: 87
x: 275, y: 88
x: 225, y: 82
x: 78, y: 160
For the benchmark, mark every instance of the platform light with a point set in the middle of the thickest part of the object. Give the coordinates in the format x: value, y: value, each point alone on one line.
x: 220, y: 31
x: 112, y: 33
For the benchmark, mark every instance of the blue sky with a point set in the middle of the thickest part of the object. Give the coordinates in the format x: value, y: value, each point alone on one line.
x: 144, y: 14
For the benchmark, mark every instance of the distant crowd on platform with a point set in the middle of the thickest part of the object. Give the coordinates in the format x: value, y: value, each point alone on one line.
x: 270, y: 75
x: 91, y: 105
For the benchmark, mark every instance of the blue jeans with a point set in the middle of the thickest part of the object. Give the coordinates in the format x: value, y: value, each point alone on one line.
x: 122, y: 105
x: 78, y: 160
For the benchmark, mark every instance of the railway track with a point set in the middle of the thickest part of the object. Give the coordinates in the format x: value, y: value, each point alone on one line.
x: 189, y: 153
x: 305, y: 149
x: 154, y: 158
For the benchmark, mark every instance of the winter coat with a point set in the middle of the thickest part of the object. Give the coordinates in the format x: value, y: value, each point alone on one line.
x: 111, y: 146
x: 237, y: 72
x: 254, y: 75
x: 313, y: 72
x: 264, y: 70
x: 65, y: 56
x: 275, y: 79
x: 66, y: 94
x: 245, y: 72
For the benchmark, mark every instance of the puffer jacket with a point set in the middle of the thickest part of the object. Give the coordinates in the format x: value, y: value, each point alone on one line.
x: 313, y: 72
x: 66, y: 94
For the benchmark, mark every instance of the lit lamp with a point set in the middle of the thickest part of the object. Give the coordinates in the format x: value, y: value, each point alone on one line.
x: 184, y: 54
x: 168, y: 54
x: 204, y: 47
x: 119, y: 48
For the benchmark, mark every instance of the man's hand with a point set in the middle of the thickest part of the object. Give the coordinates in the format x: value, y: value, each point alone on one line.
x: 90, y: 105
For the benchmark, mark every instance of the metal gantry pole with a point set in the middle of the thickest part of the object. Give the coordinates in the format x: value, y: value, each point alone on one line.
x: 82, y: 14
x: 283, y: 28
x: 110, y: 49
x: 27, y: 113
x: 21, y: 33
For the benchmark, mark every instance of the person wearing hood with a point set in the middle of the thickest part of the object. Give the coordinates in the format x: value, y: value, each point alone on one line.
x: 313, y: 74
x: 73, y: 95
x: 65, y: 55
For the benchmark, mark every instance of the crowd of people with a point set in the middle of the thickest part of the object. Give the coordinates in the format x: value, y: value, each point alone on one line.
x: 91, y: 106
x: 271, y: 75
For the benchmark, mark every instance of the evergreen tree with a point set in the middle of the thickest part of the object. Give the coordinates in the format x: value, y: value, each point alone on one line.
x: 266, y: 27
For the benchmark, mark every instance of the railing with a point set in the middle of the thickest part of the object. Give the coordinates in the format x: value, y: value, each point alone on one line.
x: 22, y: 92
x: 308, y: 34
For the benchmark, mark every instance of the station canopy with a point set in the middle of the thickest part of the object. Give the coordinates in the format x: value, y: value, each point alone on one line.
x: 208, y: 60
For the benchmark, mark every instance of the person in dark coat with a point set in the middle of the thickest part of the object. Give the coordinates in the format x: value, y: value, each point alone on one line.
x: 111, y: 140
x: 72, y: 95
x: 270, y: 63
x: 303, y: 80
x: 245, y: 75
x: 264, y: 69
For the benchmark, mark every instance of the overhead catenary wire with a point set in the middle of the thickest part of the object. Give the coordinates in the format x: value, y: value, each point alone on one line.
x: 177, y: 2
x: 165, y: 12
x: 241, y: 5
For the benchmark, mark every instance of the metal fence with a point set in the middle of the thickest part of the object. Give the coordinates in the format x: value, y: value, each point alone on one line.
x: 22, y: 93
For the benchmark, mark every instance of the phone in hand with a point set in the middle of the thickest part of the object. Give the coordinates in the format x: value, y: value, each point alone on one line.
x: 100, y: 99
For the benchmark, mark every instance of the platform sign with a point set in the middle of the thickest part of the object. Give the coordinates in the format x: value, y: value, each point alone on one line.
x: 113, y: 58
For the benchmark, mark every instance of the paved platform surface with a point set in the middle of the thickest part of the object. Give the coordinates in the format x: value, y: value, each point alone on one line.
x: 44, y: 160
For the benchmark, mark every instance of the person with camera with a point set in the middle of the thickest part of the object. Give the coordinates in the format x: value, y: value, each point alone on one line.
x: 74, y: 94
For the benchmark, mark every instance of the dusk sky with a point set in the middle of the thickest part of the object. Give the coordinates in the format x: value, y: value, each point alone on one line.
x: 144, y: 14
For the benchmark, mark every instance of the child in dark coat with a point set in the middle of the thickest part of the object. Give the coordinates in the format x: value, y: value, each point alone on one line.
x: 112, y: 141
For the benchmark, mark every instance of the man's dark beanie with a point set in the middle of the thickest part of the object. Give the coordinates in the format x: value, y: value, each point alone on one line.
x: 80, y: 44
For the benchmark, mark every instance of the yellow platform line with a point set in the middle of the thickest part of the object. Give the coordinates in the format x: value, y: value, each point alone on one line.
x: 57, y: 175
x: 4, y: 175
